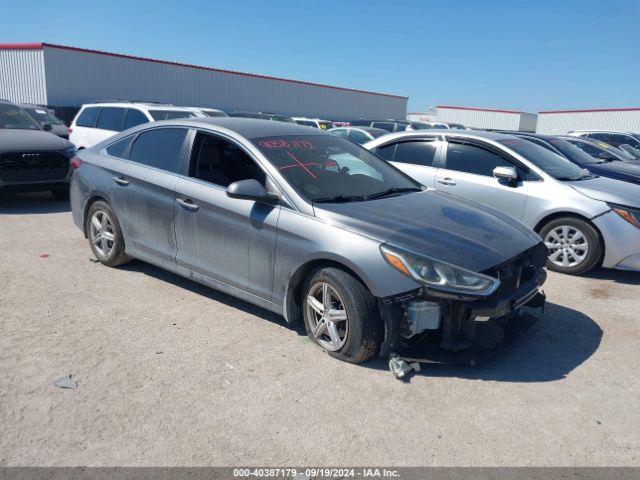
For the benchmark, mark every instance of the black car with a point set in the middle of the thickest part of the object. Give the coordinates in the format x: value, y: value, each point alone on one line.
x: 31, y: 159
x: 599, y: 149
x: 604, y: 167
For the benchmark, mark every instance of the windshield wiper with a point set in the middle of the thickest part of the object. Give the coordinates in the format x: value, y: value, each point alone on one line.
x: 340, y: 199
x: 392, y: 191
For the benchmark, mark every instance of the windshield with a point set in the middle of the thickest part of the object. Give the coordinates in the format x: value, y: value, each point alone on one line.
x: 13, y: 117
x: 170, y: 114
x: 630, y: 150
x: 43, y: 116
x: 331, y: 168
x: 549, y: 162
x: 573, y: 153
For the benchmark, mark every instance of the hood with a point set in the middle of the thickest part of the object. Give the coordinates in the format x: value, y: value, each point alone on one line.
x: 436, y: 224
x: 31, y: 140
x: 609, y: 190
x: 627, y: 171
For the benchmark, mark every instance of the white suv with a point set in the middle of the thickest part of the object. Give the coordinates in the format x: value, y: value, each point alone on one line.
x: 313, y: 122
x: 98, y: 121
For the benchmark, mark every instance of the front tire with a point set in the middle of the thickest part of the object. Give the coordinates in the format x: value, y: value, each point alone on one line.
x: 341, y: 315
x: 575, y: 247
x: 105, y: 235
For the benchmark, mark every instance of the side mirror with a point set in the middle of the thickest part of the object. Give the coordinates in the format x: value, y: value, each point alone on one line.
x: 505, y: 173
x: 47, y: 127
x: 251, y: 190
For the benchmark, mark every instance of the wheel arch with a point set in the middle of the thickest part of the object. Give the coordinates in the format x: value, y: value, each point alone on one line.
x: 90, y: 201
x: 292, y: 305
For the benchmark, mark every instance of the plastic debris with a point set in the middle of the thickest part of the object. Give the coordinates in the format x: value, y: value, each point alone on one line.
x: 65, y: 382
x: 93, y: 259
x: 401, y: 368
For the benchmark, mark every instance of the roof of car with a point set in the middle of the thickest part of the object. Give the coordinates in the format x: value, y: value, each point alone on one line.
x: 457, y: 133
x: 247, y: 127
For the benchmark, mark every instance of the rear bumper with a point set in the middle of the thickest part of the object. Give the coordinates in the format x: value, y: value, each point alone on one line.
x: 621, y: 242
x: 39, y: 186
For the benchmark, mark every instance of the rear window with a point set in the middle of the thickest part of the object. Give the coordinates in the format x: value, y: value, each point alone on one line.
x: 170, y: 114
x: 134, y: 117
x: 159, y: 148
x: 88, y: 117
x: 111, y: 118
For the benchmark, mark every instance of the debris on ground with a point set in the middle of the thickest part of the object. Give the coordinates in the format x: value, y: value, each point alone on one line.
x: 45, y: 255
x: 93, y: 259
x: 66, y: 382
x: 401, y: 368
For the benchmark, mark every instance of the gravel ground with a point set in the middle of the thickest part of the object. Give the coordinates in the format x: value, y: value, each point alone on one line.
x: 171, y: 373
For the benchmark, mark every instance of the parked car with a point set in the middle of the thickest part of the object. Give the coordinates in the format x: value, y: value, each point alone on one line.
x: 634, y: 152
x: 584, y: 220
x: 45, y: 117
x: 96, y: 122
x: 391, y: 125
x: 609, y: 168
x: 265, y: 211
x: 32, y: 160
x: 313, y: 122
x: 599, y: 149
x: 204, y: 112
x: 358, y: 135
x: 612, y: 138
x: 445, y: 126
x: 263, y: 116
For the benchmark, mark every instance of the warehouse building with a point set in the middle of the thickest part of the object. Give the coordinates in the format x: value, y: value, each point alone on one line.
x: 558, y: 122
x: 487, y: 119
x: 64, y: 78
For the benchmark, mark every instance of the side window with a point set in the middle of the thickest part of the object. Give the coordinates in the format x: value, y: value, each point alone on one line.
x: 388, y: 126
x: 386, y: 152
x: 134, y: 117
x: 220, y: 162
x: 417, y: 153
x: 467, y: 158
x: 88, y: 117
x: 159, y: 148
x: 121, y: 147
x: 599, y: 136
x: 341, y: 132
x: 358, y: 136
x: 111, y: 118
x: 617, y: 139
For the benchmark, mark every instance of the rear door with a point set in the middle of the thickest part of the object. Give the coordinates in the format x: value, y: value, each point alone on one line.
x: 228, y: 239
x: 417, y: 158
x: 468, y: 172
x: 143, y: 189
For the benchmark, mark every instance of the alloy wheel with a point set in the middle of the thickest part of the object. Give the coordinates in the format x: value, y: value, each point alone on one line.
x: 568, y: 246
x: 101, y: 233
x: 327, y: 316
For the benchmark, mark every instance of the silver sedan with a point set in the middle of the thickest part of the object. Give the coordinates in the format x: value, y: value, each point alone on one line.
x: 584, y: 220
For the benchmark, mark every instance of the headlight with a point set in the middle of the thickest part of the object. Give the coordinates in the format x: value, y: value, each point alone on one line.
x: 439, y: 275
x: 631, y: 215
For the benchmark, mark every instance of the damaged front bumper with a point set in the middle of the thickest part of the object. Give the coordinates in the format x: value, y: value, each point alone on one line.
x: 456, y: 330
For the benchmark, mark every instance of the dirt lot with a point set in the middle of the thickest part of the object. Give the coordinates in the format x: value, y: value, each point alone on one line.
x: 172, y: 373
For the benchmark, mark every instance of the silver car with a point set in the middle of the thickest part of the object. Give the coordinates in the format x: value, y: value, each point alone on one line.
x: 584, y: 220
x: 311, y: 226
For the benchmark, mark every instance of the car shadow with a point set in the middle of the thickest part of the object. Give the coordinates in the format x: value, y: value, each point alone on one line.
x: 210, y: 293
x: 556, y: 345
x: 616, y: 276
x: 31, y: 203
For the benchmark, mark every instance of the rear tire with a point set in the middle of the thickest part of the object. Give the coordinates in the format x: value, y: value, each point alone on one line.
x: 105, y: 235
x: 353, y: 331
x: 575, y: 246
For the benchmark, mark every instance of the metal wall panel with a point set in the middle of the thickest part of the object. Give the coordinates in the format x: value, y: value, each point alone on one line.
x: 22, y: 76
x: 76, y: 77
x: 558, y: 123
x: 480, y: 118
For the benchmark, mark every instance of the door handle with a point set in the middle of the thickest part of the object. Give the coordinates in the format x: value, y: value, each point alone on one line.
x: 446, y: 181
x: 188, y: 204
x: 121, y: 181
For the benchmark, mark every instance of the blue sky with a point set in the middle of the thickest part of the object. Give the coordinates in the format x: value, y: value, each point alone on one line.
x: 504, y: 54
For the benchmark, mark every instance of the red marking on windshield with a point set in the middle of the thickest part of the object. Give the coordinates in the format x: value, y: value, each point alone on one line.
x: 301, y: 164
x: 276, y: 143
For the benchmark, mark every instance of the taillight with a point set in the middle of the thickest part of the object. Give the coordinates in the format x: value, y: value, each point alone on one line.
x: 76, y: 163
x: 70, y: 130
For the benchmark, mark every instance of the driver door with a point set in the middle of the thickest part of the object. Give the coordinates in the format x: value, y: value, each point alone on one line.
x: 229, y: 240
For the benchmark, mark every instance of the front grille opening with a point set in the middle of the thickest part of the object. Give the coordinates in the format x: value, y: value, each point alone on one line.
x: 33, y: 166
